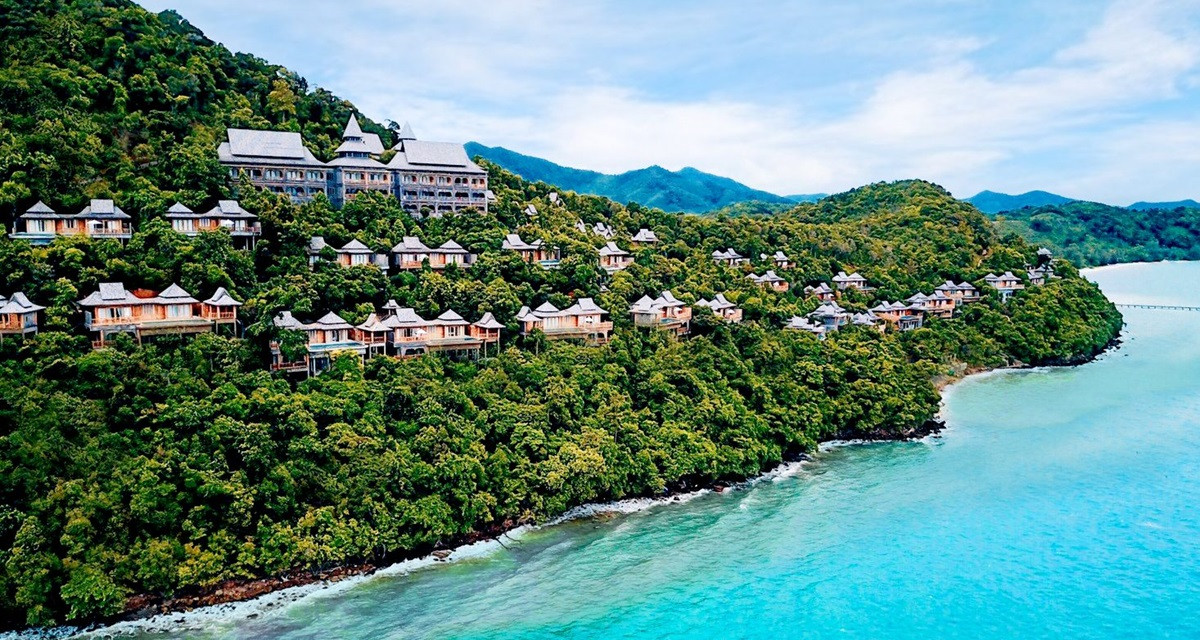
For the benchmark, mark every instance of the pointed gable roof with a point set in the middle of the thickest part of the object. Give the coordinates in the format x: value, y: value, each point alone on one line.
x: 410, y: 244
x: 285, y: 320
x: 330, y: 321
x: 450, y: 318
x: 406, y: 133
x: 40, y: 207
x: 175, y: 294
x: 102, y: 208
x: 231, y: 209
x: 354, y: 246
x: 488, y: 321
x: 221, y: 298
x: 645, y: 235
x: 18, y: 303
x: 611, y: 249
x: 451, y: 246
x: 113, y: 291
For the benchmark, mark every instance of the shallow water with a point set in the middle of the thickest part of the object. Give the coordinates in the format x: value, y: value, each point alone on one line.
x: 1059, y: 504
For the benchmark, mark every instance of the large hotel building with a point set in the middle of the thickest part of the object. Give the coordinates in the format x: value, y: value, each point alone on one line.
x: 433, y: 176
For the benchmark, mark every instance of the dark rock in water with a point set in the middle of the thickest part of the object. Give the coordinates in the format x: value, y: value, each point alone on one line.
x: 441, y: 554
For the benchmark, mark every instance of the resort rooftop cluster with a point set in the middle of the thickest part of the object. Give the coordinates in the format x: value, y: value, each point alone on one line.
x: 401, y: 332
x: 434, y: 178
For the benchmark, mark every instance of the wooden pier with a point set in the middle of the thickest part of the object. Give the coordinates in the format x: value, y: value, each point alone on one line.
x: 1158, y: 307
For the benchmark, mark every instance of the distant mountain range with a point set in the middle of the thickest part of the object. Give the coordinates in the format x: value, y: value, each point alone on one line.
x: 1166, y: 206
x: 993, y: 202
x: 688, y: 190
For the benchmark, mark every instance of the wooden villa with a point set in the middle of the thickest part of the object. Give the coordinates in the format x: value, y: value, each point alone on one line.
x: 664, y: 312
x: 18, y: 316
x: 644, y: 238
x: 1006, y: 284
x: 938, y: 305
x: 769, y: 280
x: 852, y: 281
x: 830, y: 315
x: 729, y: 258
x: 962, y: 293
x: 779, y: 258
x: 534, y: 253
x: 614, y: 258
x: 411, y: 254
x: 584, y: 320
x: 401, y: 332
x: 901, y: 316
x: 40, y: 224
x: 722, y: 308
x: 821, y: 291
x: 352, y: 254
x: 113, y: 309
x: 797, y: 323
x: 867, y: 319
x: 228, y: 215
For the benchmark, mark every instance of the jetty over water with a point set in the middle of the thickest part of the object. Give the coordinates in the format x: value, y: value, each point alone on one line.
x: 1157, y: 307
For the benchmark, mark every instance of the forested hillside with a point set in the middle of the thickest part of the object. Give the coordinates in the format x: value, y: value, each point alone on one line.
x: 168, y: 468
x: 1091, y: 234
x: 103, y: 99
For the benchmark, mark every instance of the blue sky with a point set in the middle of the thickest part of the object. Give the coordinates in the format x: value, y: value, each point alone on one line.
x: 1091, y: 99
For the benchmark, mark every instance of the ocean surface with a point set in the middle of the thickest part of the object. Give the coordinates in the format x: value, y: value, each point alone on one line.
x: 1060, y: 503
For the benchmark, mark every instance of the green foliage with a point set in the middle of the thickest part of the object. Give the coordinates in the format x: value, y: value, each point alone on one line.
x: 1092, y: 234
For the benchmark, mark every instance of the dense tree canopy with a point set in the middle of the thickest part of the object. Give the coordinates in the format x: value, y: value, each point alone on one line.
x: 175, y: 465
x: 1091, y: 234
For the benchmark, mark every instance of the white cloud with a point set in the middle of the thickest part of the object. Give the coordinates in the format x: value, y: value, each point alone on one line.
x: 747, y: 94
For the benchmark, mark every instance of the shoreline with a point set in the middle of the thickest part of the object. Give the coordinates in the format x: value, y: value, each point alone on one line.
x: 249, y: 599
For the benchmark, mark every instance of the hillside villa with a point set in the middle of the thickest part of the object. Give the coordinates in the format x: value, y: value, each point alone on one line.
x: 722, y: 308
x: 852, y: 281
x: 583, y: 320
x: 396, y: 331
x: 1006, y: 284
x: 830, y: 315
x: 664, y: 312
x: 534, y: 252
x: 822, y: 292
x: 229, y: 215
x: 780, y: 259
x: 769, y: 280
x: 614, y: 258
x: 938, y: 304
x: 113, y: 309
x: 411, y: 254
x: 901, y: 316
x: 18, y: 316
x: 729, y: 257
x: 40, y: 224
x: 644, y: 238
x: 797, y: 323
x: 962, y: 292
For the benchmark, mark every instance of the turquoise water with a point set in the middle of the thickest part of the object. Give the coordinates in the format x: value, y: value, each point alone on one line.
x: 1059, y: 504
